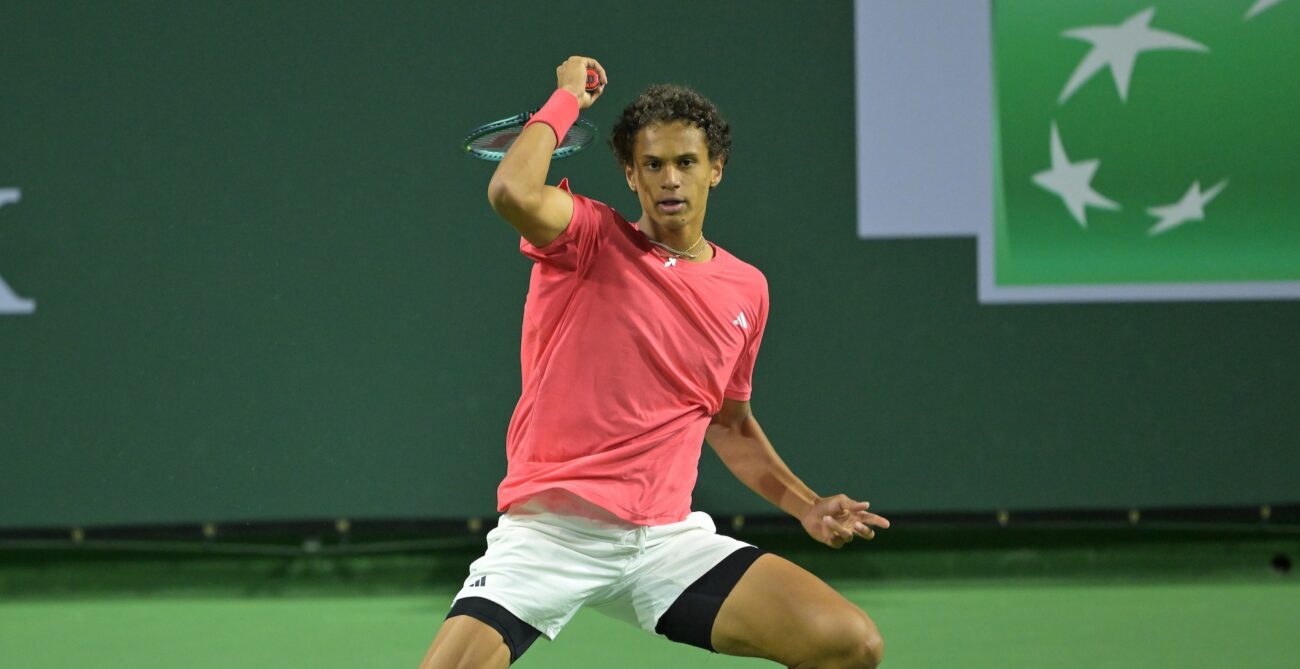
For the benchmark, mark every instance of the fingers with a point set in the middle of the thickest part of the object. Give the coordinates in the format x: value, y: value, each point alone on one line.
x: 855, y: 527
x: 604, y: 80
x: 844, y: 508
x: 572, y: 75
x: 842, y: 505
x: 873, y: 520
x: 843, y: 519
x: 863, y: 530
x: 837, y: 534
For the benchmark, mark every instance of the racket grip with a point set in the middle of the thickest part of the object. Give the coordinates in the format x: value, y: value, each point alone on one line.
x: 593, y: 80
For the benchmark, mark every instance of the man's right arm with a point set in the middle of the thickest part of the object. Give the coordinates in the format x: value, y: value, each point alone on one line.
x: 518, y: 190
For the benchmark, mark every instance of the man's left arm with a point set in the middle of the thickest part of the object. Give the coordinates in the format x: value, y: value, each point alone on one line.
x: 737, y: 438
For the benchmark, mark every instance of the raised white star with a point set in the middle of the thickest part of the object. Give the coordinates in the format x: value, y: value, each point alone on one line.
x: 1072, y: 182
x: 9, y: 302
x: 1118, y: 47
x: 1190, y: 208
x: 1259, y: 6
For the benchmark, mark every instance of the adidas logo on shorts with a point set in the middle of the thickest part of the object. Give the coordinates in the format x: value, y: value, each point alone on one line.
x: 482, y: 581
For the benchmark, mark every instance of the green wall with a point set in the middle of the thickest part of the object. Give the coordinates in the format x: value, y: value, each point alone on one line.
x: 269, y: 287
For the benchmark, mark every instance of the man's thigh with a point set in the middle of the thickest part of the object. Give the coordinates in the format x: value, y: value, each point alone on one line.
x: 781, y: 612
x: 466, y: 643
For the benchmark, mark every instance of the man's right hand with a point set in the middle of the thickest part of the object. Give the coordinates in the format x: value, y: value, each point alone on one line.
x: 571, y: 75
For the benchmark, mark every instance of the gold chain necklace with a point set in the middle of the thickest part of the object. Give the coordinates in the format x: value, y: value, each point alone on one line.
x: 680, y: 254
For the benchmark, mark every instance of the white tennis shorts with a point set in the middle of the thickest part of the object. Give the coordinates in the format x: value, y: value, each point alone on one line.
x: 542, y: 567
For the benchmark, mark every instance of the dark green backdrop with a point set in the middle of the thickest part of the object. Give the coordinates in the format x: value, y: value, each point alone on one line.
x: 269, y: 287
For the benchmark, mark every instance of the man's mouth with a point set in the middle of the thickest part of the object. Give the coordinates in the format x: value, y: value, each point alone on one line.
x: 670, y: 205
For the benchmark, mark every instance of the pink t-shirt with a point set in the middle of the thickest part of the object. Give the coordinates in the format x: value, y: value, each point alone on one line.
x: 625, y: 356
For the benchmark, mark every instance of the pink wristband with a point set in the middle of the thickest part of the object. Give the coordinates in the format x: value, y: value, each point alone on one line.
x: 559, y: 112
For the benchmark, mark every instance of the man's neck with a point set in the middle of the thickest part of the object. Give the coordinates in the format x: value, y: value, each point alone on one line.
x: 677, y: 238
x: 687, y: 239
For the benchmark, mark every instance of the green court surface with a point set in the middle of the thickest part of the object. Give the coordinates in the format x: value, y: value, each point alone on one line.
x: 1154, y: 605
x: 1158, y: 625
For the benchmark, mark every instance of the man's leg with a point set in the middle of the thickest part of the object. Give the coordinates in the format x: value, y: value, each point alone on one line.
x: 465, y: 643
x: 479, y: 634
x: 781, y: 612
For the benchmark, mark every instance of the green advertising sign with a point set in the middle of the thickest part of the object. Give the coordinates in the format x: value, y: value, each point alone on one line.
x: 1145, y: 151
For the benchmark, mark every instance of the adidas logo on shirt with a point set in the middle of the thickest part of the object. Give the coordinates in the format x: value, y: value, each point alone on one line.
x: 482, y: 581
x: 740, y: 320
x: 671, y: 262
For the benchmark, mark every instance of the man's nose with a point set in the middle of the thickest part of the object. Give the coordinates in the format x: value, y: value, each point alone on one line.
x: 672, y: 178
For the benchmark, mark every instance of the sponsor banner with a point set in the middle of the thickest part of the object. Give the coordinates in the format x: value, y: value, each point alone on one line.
x: 1144, y: 151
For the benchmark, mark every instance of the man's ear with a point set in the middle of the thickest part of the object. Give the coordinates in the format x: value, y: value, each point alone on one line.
x: 627, y: 173
x: 715, y: 166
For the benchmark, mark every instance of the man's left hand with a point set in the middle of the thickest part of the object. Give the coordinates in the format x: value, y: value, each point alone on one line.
x: 836, y: 520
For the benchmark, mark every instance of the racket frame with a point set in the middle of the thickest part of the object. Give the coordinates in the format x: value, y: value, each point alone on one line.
x: 519, y: 120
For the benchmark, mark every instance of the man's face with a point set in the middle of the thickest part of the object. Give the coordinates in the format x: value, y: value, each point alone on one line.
x: 672, y: 173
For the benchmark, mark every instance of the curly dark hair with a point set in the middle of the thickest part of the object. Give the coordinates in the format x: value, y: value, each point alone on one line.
x: 664, y: 103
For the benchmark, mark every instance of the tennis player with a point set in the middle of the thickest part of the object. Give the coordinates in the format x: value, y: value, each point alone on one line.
x: 639, y: 342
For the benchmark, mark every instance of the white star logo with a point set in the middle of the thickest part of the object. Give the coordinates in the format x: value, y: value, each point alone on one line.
x: 1190, y: 208
x: 1118, y: 47
x: 11, y: 303
x: 1259, y: 6
x: 1072, y: 182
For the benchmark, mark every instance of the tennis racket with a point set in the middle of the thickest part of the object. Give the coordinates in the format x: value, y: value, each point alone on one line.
x: 491, y: 141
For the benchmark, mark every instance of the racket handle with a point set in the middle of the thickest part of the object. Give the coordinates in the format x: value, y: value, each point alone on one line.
x: 593, y: 80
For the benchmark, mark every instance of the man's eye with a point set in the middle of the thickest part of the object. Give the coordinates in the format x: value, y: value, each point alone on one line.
x: 687, y: 162
x: 652, y: 165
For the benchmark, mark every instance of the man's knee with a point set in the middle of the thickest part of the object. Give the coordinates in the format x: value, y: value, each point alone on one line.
x: 867, y: 648
x: 873, y: 648
x: 848, y: 642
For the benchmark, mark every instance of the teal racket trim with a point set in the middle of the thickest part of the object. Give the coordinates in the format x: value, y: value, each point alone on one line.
x: 491, y: 141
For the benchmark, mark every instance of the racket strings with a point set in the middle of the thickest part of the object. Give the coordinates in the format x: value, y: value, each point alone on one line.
x: 578, y: 135
x: 491, y: 142
x: 498, y: 140
x: 501, y: 140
